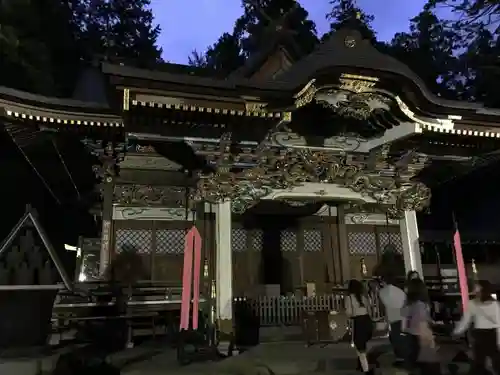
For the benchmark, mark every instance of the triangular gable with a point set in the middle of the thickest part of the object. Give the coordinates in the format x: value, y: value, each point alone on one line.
x: 28, y: 220
x: 277, y: 62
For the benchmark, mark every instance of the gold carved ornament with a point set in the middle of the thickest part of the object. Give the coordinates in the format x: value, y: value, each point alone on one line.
x: 294, y: 167
x: 357, y: 97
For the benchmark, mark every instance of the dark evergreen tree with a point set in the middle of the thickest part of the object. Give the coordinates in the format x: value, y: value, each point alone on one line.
x: 261, y: 23
x: 470, y: 13
x: 428, y: 49
x: 119, y: 29
x: 222, y: 57
x: 346, y: 13
x: 264, y: 20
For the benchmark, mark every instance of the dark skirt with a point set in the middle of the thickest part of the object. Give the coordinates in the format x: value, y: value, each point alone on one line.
x: 484, y: 345
x: 362, y: 331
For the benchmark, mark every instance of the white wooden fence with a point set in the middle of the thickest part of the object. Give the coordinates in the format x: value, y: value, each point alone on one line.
x: 287, y: 311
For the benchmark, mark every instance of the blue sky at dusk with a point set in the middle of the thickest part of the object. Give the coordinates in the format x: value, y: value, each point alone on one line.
x: 195, y: 24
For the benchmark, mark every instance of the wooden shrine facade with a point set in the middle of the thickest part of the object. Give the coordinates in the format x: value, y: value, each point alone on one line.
x: 345, y: 127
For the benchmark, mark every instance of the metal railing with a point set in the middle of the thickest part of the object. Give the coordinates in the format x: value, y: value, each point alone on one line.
x: 288, y: 310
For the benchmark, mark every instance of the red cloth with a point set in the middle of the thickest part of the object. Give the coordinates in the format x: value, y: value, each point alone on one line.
x: 462, y: 273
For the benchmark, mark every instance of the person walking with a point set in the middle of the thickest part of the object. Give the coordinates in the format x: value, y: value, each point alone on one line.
x: 393, y: 299
x: 484, y: 313
x: 357, y: 307
x: 420, y: 344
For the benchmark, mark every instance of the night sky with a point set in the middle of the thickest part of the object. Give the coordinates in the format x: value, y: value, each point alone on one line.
x: 195, y: 24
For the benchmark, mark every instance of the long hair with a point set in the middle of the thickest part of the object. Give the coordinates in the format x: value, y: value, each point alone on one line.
x: 355, y: 287
x: 486, y: 291
x: 412, y: 275
x: 417, y: 291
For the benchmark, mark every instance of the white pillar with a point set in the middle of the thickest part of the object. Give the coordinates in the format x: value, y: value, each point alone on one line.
x: 411, y: 247
x: 224, y: 267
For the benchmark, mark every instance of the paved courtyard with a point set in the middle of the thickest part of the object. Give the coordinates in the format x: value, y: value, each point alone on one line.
x: 287, y: 358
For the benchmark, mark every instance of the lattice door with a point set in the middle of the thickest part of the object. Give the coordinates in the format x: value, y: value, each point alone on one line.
x: 239, y: 240
x: 363, y: 243
x: 168, y: 258
x: 386, y: 238
x: 170, y: 241
x: 313, y: 240
x: 257, y: 240
x: 139, y: 240
x: 288, y: 240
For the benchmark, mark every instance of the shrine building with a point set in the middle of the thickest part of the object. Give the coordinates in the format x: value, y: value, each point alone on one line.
x: 296, y: 171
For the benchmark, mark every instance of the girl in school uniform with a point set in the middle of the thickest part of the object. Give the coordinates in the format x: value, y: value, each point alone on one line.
x: 484, y: 312
x: 420, y: 345
x: 357, y: 307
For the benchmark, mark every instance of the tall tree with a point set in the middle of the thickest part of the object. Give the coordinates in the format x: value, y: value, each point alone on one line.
x: 42, y: 42
x: 346, y: 13
x: 479, y: 70
x: 469, y: 13
x: 25, y: 59
x: 119, y: 29
x: 222, y: 57
x: 262, y: 21
x: 428, y: 49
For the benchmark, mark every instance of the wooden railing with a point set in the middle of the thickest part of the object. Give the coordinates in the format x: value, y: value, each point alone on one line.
x: 288, y: 310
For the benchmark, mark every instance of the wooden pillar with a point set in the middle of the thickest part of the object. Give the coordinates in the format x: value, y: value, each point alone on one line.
x: 411, y: 247
x: 108, y: 182
x: 343, y: 251
x: 330, y: 250
x: 224, y: 273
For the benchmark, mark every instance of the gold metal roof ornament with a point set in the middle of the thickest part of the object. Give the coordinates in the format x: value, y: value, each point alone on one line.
x: 293, y: 167
x: 354, y: 96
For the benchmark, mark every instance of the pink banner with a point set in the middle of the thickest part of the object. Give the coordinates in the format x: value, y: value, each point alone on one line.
x: 462, y: 273
x: 196, y: 274
x: 187, y: 278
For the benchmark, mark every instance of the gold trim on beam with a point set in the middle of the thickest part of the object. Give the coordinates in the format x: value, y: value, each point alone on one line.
x: 306, y: 95
x: 126, y: 99
x: 53, y: 120
x: 357, y: 83
x: 195, y: 108
x: 464, y: 132
x: 348, y: 82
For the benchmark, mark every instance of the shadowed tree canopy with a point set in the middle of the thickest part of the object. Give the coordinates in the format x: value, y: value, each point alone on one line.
x: 346, y: 13
x: 261, y: 23
x: 44, y: 44
x: 470, y: 13
x: 431, y: 42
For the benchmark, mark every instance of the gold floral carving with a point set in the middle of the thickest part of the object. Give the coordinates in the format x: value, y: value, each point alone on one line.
x: 145, y: 195
x: 357, y: 83
x: 354, y: 96
x: 255, y: 107
x: 292, y: 168
x: 306, y: 95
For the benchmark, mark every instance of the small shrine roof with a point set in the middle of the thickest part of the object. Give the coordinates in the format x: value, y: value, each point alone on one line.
x: 19, y: 105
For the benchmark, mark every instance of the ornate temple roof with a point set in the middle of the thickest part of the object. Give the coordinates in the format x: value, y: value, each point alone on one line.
x: 346, y: 97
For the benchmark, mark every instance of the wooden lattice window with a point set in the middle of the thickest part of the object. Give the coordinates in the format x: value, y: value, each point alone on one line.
x: 239, y: 240
x: 139, y: 240
x: 288, y: 240
x: 257, y: 240
x: 362, y: 243
x: 313, y: 240
x: 170, y: 241
x: 386, y: 238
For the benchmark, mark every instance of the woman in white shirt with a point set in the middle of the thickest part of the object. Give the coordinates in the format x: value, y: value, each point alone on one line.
x: 357, y: 308
x: 484, y: 313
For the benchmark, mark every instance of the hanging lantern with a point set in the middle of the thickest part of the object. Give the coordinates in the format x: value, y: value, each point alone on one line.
x: 364, y: 270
